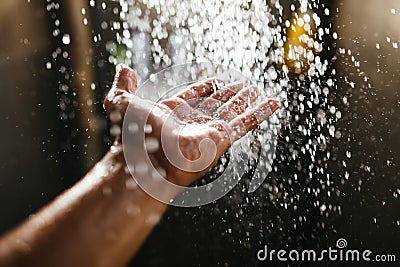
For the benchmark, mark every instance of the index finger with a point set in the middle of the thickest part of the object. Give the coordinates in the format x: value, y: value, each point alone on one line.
x: 201, y: 89
x: 250, y: 119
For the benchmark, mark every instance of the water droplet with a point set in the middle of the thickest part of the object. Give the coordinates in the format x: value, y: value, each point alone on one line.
x: 115, y: 117
x: 148, y: 129
x: 115, y: 130
x: 322, y: 208
x: 152, y: 145
x: 66, y: 39
x: 153, y: 219
x: 133, y: 210
x: 133, y: 127
x: 141, y: 168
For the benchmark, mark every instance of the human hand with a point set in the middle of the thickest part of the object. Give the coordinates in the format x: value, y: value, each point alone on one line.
x: 191, y: 130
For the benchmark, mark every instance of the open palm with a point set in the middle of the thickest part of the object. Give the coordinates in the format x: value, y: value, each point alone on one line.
x: 187, y: 133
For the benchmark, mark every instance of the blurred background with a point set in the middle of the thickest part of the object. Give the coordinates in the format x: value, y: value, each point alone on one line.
x: 57, y: 62
x: 53, y: 76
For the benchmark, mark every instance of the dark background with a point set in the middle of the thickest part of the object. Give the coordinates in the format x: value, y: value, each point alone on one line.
x: 46, y: 147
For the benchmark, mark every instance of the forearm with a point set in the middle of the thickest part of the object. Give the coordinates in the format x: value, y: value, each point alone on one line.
x: 100, y: 221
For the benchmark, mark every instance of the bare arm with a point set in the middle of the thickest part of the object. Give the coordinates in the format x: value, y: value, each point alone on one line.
x: 105, y: 217
x: 100, y: 221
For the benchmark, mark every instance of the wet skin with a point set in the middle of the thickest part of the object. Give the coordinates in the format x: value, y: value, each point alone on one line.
x: 209, y: 110
x: 105, y: 217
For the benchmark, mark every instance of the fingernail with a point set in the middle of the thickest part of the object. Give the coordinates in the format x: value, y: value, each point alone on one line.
x: 274, y: 104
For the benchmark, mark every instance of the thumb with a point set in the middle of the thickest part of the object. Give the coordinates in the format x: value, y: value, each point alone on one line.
x: 122, y: 89
x: 125, y: 79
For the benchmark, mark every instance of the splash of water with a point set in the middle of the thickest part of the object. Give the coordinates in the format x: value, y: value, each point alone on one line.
x: 282, y: 55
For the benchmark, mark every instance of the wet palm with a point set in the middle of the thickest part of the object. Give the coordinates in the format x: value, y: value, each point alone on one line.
x: 187, y: 133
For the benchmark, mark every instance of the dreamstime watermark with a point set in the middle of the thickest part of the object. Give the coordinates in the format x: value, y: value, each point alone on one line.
x: 339, y: 253
x: 150, y: 178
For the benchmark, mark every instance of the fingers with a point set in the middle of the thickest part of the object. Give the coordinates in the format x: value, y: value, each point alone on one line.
x: 218, y: 98
x: 181, y: 108
x: 227, y: 92
x: 238, y: 104
x: 202, y: 89
x: 172, y: 102
x: 250, y: 119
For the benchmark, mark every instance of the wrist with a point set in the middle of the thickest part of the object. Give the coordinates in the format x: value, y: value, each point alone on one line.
x: 118, y: 177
